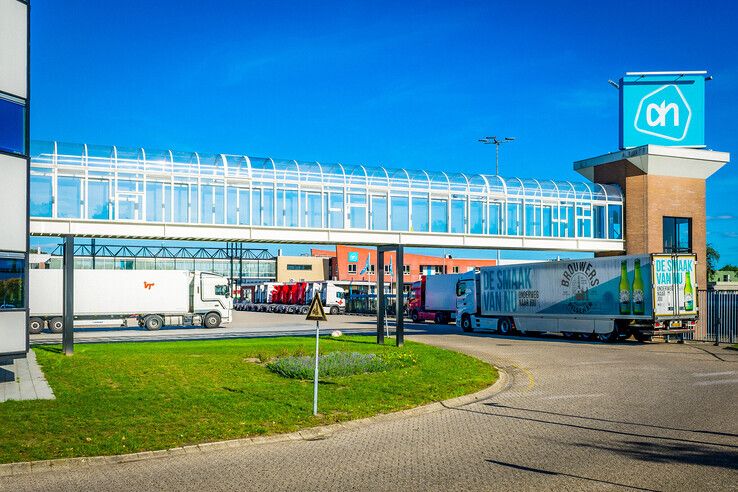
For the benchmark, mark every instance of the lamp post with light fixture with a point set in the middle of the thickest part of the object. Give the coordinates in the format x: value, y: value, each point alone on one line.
x: 496, y: 142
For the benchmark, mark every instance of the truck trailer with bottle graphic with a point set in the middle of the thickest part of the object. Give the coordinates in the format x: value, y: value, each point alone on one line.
x: 607, y: 298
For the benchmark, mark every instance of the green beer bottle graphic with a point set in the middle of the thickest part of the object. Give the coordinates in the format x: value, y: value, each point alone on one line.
x: 688, y: 293
x: 624, y: 288
x: 638, y: 304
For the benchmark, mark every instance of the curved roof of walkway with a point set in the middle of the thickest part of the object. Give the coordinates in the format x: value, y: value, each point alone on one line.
x: 329, y: 174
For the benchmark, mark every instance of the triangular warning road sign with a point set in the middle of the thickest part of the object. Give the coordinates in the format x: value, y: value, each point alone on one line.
x: 316, y: 311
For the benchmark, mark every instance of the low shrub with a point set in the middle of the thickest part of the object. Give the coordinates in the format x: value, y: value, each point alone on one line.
x: 332, y: 364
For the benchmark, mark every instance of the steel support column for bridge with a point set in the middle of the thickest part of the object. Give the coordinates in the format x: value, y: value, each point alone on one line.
x: 68, y: 307
x: 381, y: 301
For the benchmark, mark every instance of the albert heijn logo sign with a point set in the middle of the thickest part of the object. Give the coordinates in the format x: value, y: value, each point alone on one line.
x: 662, y: 108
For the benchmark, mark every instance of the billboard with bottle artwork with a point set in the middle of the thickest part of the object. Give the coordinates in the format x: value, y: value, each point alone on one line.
x: 610, y: 287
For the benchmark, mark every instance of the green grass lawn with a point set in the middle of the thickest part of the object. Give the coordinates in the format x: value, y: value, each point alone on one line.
x: 127, y: 397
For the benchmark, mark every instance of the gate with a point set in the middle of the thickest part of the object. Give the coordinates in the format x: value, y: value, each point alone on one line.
x: 718, y: 318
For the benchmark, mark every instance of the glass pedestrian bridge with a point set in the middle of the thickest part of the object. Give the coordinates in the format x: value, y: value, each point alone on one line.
x: 104, y: 191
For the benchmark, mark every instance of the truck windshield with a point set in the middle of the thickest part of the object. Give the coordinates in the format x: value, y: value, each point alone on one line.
x: 460, y: 288
x: 221, y: 290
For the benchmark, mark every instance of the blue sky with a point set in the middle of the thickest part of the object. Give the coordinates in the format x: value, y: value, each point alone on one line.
x: 410, y: 84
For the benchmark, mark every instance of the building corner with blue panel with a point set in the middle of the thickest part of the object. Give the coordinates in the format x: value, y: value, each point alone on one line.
x: 15, y: 164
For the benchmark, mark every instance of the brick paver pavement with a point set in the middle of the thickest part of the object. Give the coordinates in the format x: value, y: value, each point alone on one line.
x: 576, y: 416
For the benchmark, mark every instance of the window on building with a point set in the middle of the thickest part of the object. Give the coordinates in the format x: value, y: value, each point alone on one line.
x: 11, y: 283
x: 456, y: 269
x: 406, y: 269
x: 352, y: 268
x: 13, y: 124
x: 301, y: 267
x: 372, y: 269
x: 677, y: 235
x: 386, y: 269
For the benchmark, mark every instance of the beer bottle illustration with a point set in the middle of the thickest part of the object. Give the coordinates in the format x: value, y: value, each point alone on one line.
x: 688, y: 293
x: 624, y: 288
x: 638, y: 304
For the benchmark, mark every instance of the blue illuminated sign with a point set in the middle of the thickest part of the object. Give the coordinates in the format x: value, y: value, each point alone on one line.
x: 662, y: 108
x: 353, y: 256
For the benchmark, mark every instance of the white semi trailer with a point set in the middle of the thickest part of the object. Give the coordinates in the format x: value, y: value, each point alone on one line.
x: 154, y: 297
x: 608, y: 298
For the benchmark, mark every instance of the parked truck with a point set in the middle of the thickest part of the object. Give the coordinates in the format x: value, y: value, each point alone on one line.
x: 154, y: 297
x: 295, y: 297
x: 608, y: 298
x: 433, y: 298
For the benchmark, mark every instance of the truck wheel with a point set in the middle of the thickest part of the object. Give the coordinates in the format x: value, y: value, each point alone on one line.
x: 304, y: 309
x: 643, y: 338
x: 606, y: 337
x: 466, y: 324
x: 504, y: 326
x: 212, y: 320
x: 153, y: 322
x: 35, y: 325
x: 414, y: 316
x: 439, y: 319
x: 569, y: 334
x: 334, y: 310
x: 56, y: 325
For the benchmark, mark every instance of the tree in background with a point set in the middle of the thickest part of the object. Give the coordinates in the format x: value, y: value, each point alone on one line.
x: 712, y: 258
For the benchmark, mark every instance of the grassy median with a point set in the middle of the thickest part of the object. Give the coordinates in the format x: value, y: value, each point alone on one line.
x: 129, y: 397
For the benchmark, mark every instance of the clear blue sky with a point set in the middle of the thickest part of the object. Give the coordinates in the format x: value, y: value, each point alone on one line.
x: 409, y: 84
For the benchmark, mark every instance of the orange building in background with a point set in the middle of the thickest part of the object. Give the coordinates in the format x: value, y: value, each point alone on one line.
x: 349, y: 263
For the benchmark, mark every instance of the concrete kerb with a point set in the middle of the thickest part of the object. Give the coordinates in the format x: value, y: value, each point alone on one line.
x: 309, y: 434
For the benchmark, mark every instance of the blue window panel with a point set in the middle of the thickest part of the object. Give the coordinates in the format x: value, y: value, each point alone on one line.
x: 219, y: 211
x: 598, y: 218
x: 615, y: 221
x: 379, y: 213
x: 244, y: 207
x: 194, y: 204
x: 312, y: 210
x: 69, y: 190
x: 128, y: 205
x: 547, y: 222
x: 12, y: 126
x: 458, y: 216
x: 514, y: 219
x: 256, y: 206
x: 154, y: 200
x: 420, y: 214
x: 567, y: 221
x: 11, y: 283
x: 439, y: 215
x: 400, y: 211
x: 267, y: 203
x: 335, y: 210
x: 495, y: 218
x: 41, y: 203
x: 206, y: 207
x: 532, y: 220
x: 98, y: 203
x: 476, y: 217
x: 584, y: 228
x: 180, y: 204
x: 291, y: 208
x: 232, y: 210
x: 357, y: 211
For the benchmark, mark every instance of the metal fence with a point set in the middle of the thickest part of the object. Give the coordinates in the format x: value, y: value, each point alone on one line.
x: 718, y: 316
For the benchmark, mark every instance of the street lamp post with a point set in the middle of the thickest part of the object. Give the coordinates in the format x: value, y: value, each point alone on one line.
x: 496, y: 142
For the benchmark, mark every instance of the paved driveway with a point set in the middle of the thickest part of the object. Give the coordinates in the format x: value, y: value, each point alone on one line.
x: 576, y: 416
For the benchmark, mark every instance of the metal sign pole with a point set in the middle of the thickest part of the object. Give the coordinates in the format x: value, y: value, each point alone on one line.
x: 315, y: 378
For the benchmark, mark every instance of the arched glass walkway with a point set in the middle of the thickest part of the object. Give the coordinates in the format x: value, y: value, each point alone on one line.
x: 90, y: 184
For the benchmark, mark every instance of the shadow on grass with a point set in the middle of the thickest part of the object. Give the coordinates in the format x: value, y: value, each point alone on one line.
x: 49, y: 348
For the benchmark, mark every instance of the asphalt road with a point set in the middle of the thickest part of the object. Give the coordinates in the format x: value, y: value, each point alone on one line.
x: 576, y: 416
x: 244, y: 324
